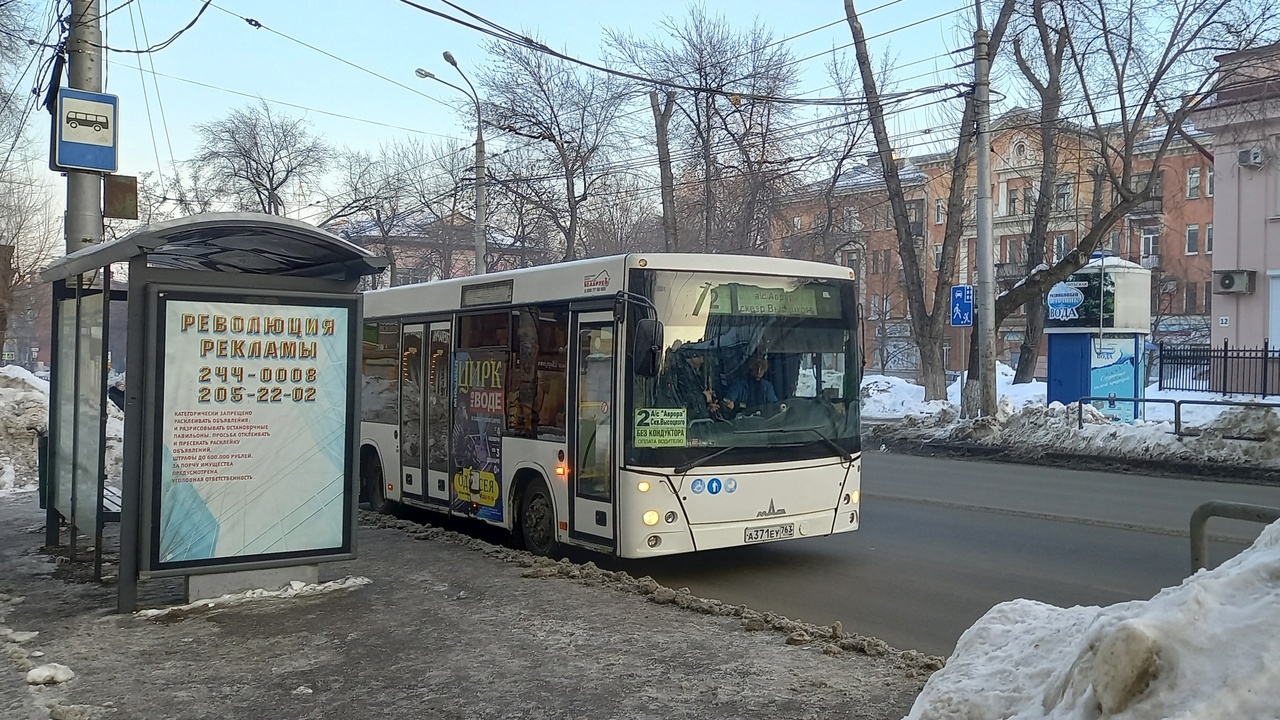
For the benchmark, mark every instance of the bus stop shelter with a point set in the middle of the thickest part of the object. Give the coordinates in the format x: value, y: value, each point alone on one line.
x: 241, y: 401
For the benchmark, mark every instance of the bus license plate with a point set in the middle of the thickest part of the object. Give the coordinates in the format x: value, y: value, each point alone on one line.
x: 771, y: 532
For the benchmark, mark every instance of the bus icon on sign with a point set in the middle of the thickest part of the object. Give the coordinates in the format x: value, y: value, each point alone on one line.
x: 97, y: 122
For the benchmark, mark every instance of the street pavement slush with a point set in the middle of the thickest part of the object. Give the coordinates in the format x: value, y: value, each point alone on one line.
x: 448, y: 627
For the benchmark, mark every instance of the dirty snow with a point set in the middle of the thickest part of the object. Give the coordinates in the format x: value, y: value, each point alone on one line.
x: 1204, y: 650
x: 294, y: 589
x: 24, y: 413
x: 1238, y: 436
x: 50, y: 674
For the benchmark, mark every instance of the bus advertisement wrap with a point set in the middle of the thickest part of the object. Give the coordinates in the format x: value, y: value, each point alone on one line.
x: 479, y: 379
x: 254, y: 439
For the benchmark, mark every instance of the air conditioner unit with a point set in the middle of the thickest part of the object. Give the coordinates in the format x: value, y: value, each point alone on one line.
x: 1227, y: 282
x: 1252, y: 157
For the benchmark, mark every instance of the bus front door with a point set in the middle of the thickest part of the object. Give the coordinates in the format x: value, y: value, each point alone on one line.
x: 592, y: 475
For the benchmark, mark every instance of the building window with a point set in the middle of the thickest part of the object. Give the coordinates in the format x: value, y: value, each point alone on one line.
x: 875, y: 218
x: 875, y: 262
x: 1020, y: 151
x: 1062, y: 196
x: 1193, y: 183
x: 1150, y: 240
x: 1013, y: 202
x: 939, y: 211
x: 937, y: 257
x: 1193, y: 239
x: 1113, y: 242
x: 888, y: 306
x: 851, y: 223
x: 1060, y: 243
x: 1208, y: 190
x: 1208, y: 297
x: 796, y: 222
x: 1189, y: 299
x: 1208, y: 237
x: 851, y: 260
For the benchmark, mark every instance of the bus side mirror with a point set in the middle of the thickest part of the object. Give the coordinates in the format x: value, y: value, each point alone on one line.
x: 648, y: 347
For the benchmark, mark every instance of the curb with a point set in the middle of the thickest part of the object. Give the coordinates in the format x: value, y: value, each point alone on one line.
x: 1245, y: 474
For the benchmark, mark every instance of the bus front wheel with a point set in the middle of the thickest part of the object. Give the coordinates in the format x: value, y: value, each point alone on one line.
x: 538, y: 520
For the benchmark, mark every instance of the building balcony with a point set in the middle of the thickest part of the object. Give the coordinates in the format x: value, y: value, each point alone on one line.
x: 1154, y: 206
x: 1150, y: 262
x: 1010, y: 270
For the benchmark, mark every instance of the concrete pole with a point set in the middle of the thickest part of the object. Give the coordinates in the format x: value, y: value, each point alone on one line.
x: 84, y: 72
x: 986, y: 299
x: 481, y: 202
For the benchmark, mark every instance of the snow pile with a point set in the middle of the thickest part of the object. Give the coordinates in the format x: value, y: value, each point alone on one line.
x: 294, y: 589
x: 24, y: 412
x: 50, y: 674
x: 889, y: 398
x: 1205, y: 649
x: 1238, y: 436
x: 884, y: 396
x: 1193, y: 414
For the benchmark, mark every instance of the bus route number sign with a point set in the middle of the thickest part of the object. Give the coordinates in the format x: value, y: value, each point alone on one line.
x: 661, y: 427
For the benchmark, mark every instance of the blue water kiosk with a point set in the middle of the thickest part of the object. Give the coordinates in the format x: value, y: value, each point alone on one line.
x: 1099, y: 320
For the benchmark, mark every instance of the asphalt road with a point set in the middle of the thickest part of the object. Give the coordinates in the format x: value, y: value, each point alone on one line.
x: 943, y: 540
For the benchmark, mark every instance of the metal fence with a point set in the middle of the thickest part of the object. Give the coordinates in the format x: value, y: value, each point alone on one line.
x: 1225, y: 369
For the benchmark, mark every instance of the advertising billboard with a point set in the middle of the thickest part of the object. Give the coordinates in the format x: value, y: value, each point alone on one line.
x: 1084, y: 300
x: 255, y: 430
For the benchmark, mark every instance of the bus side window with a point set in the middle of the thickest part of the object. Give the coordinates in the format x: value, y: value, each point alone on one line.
x: 537, y: 387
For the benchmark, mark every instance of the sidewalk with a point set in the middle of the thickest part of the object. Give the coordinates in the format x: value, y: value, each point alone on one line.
x: 448, y: 627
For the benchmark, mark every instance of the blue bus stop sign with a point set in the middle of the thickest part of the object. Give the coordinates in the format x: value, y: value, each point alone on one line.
x: 961, y: 306
x: 85, y: 130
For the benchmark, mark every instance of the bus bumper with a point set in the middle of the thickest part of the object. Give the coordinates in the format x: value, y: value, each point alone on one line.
x: 762, y: 530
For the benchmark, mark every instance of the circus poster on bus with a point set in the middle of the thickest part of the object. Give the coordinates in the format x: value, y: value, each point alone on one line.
x: 479, y: 379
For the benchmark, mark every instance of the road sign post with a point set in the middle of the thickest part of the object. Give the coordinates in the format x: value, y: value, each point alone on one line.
x: 961, y: 306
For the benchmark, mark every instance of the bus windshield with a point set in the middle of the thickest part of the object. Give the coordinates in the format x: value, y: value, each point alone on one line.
x: 755, y: 368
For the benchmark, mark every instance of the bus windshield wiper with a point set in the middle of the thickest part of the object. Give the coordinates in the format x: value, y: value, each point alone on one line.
x: 686, y: 467
x: 845, y: 455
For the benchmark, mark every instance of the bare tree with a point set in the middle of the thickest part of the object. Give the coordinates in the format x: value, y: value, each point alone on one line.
x: 624, y: 221
x: 29, y: 241
x: 258, y: 158
x: 1141, y: 68
x: 571, y: 114
x: 731, y: 126
x: 928, y: 320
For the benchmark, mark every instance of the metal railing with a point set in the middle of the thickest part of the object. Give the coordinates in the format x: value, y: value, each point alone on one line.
x: 1177, y: 408
x: 1219, y: 508
x: 1225, y: 369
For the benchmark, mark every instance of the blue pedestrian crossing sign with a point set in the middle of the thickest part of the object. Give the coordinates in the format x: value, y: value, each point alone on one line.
x: 85, y: 130
x: 961, y: 306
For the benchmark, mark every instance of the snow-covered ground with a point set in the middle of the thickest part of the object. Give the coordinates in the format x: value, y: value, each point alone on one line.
x: 1203, y: 650
x: 1025, y: 425
x: 889, y: 398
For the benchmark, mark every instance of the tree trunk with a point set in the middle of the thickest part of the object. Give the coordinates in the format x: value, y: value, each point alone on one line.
x: 662, y: 120
x: 7, y: 281
x: 708, y: 210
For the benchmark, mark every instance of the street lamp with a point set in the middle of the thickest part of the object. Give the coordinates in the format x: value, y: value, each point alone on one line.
x: 481, y: 206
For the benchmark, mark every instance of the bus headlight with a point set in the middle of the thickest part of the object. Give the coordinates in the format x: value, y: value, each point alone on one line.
x: 857, y: 496
x: 643, y: 486
x: 651, y: 517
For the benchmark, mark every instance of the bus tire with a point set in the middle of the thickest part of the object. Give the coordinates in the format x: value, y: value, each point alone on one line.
x: 538, y: 519
x: 374, y: 488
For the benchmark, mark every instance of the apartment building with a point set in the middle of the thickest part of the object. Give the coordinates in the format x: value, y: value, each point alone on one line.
x: 1172, y: 233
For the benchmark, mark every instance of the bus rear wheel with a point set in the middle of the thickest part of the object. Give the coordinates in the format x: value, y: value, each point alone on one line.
x: 538, y: 520
x: 375, y: 490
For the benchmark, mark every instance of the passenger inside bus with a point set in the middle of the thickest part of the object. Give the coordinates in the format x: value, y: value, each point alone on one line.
x: 685, y: 383
x: 753, y: 391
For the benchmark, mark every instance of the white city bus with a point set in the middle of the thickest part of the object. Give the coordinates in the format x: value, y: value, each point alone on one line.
x: 638, y: 405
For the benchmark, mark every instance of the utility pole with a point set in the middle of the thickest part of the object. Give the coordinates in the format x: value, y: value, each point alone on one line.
x: 84, y: 72
x: 481, y: 203
x: 986, y: 315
